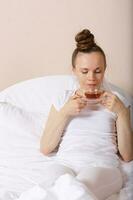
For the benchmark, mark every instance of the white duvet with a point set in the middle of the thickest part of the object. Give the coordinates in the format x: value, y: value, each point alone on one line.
x: 22, y: 164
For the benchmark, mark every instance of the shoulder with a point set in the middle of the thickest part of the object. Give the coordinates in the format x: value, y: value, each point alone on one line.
x: 123, y: 98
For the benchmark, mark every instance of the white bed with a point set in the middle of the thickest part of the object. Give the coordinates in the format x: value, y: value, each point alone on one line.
x: 24, y: 109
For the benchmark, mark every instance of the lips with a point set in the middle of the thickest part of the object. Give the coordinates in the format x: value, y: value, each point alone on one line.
x: 91, y: 84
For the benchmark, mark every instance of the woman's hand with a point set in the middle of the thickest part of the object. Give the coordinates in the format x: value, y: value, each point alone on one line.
x: 112, y: 102
x: 75, y: 104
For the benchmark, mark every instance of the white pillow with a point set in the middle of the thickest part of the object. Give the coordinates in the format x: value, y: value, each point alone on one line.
x: 18, y: 120
x: 36, y: 94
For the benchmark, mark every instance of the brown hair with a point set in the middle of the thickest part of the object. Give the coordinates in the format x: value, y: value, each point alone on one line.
x: 86, y: 44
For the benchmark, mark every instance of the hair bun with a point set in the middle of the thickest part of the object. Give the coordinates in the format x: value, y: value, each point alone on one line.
x: 85, y: 40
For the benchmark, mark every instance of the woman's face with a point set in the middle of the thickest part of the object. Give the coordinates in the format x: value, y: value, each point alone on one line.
x: 89, y: 69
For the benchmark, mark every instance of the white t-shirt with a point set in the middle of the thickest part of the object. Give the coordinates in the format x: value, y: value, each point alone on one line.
x: 89, y: 138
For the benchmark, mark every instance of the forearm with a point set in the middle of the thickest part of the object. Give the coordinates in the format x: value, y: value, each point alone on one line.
x: 53, y: 132
x: 125, y: 135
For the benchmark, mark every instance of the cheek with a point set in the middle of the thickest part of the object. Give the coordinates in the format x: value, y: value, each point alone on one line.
x: 99, y: 77
x: 81, y: 79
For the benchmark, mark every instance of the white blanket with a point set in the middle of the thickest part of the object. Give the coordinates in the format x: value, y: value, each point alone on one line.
x: 66, y: 187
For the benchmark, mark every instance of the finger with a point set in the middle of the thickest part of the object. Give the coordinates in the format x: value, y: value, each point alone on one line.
x: 78, y: 94
x: 107, y: 105
x: 84, y: 99
x: 106, y: 100
x: 81, y: 107
x: 107, y: 95
x: 75, y: 96
x: 81, y: 102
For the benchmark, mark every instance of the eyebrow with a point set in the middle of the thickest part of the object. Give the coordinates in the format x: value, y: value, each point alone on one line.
x: 87, y: 68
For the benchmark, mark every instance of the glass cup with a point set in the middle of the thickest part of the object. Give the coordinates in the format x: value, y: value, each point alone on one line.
x: 93, y: 94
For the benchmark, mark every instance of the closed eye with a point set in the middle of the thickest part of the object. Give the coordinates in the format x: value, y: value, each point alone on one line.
x: 98, y: 71
x: 84, y: 72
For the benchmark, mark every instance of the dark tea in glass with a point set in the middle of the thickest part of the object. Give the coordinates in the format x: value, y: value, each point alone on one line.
x: 93, y: 95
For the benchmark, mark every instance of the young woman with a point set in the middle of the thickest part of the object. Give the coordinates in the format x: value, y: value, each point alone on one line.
x: 91, y: 138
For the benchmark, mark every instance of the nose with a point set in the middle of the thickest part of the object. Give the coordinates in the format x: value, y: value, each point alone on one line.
x: 91, y: 76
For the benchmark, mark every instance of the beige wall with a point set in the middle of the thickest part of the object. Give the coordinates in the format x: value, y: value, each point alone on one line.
x: 37, y: 37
